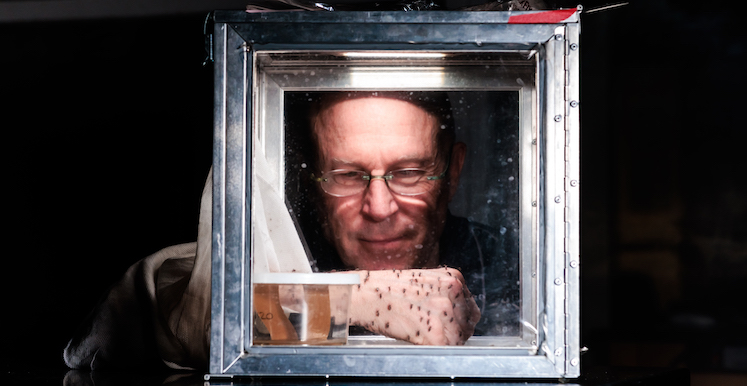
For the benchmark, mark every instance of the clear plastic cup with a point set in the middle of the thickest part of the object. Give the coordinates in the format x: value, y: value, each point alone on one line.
x: 302, y: 308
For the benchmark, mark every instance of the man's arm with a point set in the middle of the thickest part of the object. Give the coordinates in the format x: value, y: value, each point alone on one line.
x: 421, y: 306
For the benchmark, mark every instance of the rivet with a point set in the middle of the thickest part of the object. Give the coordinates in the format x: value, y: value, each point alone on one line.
x: 534, y: 141
x: 574, y: 362
x: 558, y: 118
x: 558, y: 281
x: 534, y: 203
x: 558, y: 352
x: 574, y: 263
x: 574, y: 46
x: 557, y: 199
x: 558, y: 37
x: 574, y: 104
x: 574, y: 183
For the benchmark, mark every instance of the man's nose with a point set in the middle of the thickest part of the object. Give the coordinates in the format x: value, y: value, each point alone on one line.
x: 378, y: 200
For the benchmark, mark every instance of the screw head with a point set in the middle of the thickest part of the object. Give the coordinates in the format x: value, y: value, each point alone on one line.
x: 574, y: 46
x: 574, y: 104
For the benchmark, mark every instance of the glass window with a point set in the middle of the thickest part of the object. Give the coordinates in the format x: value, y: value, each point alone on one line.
x: 484, y: 100
x: 352, y: 148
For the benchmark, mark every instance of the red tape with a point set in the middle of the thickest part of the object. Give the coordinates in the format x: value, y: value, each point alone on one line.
x: 547, y: 17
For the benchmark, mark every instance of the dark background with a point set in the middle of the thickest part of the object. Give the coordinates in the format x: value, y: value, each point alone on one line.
x: 107, y: 129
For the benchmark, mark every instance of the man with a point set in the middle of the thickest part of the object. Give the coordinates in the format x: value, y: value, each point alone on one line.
x: 388, y: 169
x: 385, y: 221
x: 386, y: 166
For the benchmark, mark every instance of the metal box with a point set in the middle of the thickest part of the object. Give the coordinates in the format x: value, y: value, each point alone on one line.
x: 516, y: 77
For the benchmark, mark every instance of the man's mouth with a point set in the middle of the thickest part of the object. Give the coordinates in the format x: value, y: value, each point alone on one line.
x: 382, y: 240
x: 391, y: 243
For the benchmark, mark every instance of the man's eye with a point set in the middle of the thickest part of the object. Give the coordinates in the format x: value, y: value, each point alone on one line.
x: 408, y: 173
x: 347, y: 176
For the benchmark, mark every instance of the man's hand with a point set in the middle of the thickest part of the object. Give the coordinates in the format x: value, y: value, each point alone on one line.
x: 422, y: 306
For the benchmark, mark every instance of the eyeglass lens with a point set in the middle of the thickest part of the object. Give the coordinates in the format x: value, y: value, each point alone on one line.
x: 404, y: 181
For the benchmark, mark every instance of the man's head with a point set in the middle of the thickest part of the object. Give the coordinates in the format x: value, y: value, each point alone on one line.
x: 377, y: 133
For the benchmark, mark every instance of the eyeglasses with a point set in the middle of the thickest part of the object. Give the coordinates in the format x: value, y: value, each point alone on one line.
x: 406, y: 182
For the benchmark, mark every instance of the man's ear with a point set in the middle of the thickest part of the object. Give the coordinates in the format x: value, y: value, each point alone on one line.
x: 458, y: 153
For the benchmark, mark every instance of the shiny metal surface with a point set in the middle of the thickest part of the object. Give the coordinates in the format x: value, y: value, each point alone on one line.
x: 253, y: 70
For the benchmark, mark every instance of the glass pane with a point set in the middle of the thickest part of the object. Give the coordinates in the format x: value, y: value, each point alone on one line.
x: 402, y: 164
x: 391, y: 229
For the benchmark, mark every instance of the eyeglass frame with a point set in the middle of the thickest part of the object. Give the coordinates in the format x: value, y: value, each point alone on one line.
x: 386, y: 177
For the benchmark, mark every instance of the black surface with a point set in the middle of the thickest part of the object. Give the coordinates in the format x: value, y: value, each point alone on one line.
x: 603, y: 376
x: 107, y: 130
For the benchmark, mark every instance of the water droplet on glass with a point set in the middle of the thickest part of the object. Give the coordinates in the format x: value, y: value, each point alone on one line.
x: 511, y: 178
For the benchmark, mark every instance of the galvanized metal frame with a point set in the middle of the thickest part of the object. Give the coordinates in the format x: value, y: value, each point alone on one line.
x: 550, y: 261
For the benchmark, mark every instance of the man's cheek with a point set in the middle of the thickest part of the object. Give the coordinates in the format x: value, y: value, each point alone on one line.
x: 339, y: 221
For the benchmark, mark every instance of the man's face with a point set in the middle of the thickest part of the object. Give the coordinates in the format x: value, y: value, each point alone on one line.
x: 379, y: 229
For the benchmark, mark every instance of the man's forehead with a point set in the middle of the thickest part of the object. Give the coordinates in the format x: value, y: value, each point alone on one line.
x: 349, y: 114
x: 412, y: 158
x: 351, y: 135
